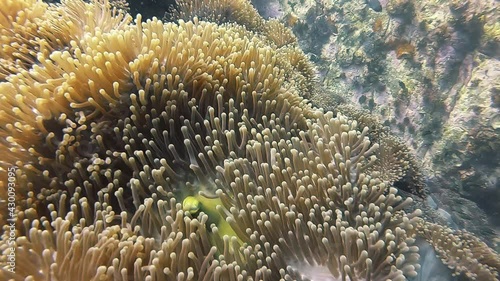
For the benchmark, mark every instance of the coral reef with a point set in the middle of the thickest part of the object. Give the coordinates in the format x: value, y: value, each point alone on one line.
x: 395, y: 163
x: 428, y: 71
x: 30, y: 28
x: 188, y: 150
x: 467, y: 153
x: 477, y: 259
x: 301, y: 71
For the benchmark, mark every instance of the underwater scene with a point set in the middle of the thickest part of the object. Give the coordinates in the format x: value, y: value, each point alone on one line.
x: 309, y: 140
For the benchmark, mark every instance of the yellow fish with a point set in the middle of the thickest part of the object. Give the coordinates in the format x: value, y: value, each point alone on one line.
x: 199, y: 203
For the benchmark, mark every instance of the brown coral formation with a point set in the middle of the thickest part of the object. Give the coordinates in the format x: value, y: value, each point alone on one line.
x: 162, y: 151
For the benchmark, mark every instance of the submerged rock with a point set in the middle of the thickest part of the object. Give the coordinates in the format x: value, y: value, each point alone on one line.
x: 374, y: 5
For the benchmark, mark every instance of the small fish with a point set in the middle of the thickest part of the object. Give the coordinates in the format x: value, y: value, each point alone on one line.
x: 374, y: 5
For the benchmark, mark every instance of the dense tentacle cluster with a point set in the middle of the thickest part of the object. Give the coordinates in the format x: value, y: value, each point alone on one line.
x: 298, y: 68
x: 285, y: 210
x: 29, y: 28
x: 219, y: 11
x: 395, y: 163
x: 186, y: 151
x: 17, y: 29
x: 476, y: 260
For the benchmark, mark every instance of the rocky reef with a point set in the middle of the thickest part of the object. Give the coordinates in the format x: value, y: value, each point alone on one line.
x: 428, y: 70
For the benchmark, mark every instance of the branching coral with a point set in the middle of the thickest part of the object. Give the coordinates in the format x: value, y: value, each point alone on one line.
x: 162, y: 151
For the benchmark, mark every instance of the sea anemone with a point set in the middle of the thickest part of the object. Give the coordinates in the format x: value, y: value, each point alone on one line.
x: 186, y: 150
